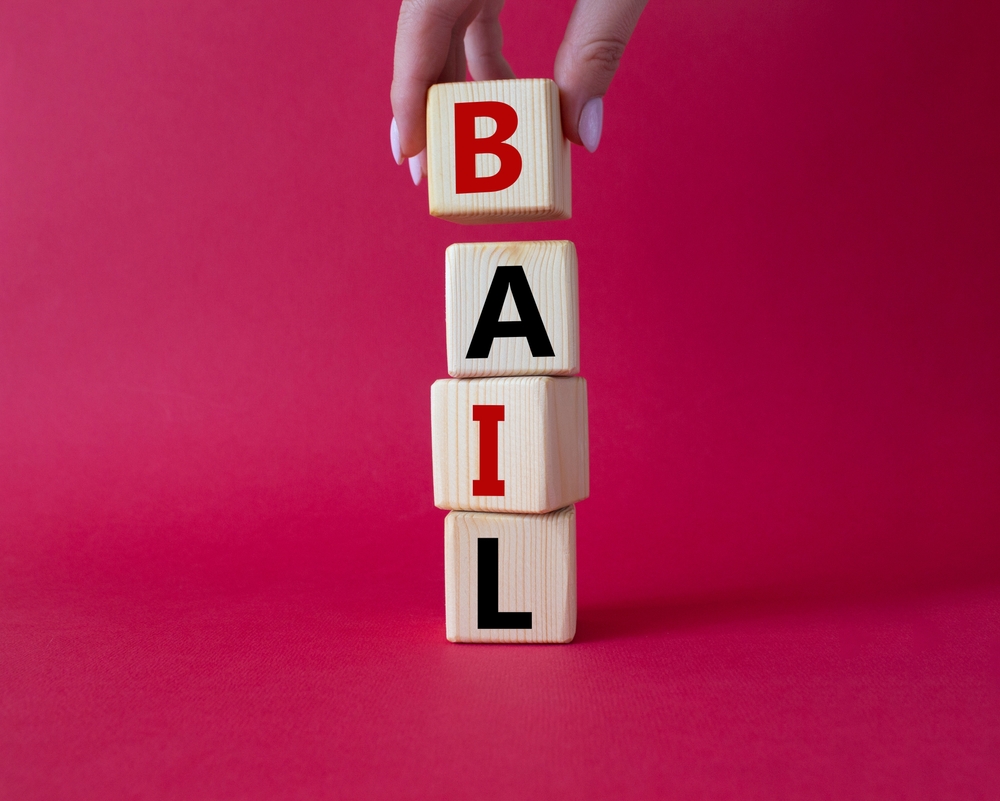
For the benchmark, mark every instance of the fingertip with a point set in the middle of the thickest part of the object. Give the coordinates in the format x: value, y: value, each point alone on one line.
x: 571, y: 110
x: 572, y: 96
x: 591, y: 123
x: 418, y: 167
x: 409, y: 114
x: 397, y: 153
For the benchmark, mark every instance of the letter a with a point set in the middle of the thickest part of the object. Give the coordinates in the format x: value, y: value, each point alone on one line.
x: 467, y: 146
x: 530, y: 326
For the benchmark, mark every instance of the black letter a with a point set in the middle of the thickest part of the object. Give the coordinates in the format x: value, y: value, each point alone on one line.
x: 530, y: 325
x: 489, y: 591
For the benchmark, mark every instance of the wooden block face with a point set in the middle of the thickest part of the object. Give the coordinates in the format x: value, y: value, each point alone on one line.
x: 512, y: 309
x: 496, y: 152
x: 510, y: 578
x: 510, y: 444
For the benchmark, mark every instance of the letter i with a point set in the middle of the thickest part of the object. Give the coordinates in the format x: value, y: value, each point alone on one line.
x: 489, y: 418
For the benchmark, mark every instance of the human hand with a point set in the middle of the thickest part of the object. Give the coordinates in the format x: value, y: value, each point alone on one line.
x: 438, y: 40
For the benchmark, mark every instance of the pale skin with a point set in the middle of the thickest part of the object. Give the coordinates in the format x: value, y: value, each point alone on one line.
x: 440, y: 41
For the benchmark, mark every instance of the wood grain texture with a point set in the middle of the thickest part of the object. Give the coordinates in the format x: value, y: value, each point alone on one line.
x: 543, y: 445
x: 551, y: 270
x: 537, y: 574
x: 543, y: 190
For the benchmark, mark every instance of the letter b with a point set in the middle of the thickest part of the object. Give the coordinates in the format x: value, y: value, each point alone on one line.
x: 467, y: 146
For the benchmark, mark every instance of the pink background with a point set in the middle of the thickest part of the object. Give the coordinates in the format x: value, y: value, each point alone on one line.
x: 222, y: 307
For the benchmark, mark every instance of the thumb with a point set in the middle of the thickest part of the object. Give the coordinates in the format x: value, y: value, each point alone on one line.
x: 587, y: 60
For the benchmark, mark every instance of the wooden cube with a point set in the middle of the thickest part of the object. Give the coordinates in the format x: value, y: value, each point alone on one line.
x: 496, y: 152
x: 510, y: 578
x: 512, y: 308
x: 509, y: 444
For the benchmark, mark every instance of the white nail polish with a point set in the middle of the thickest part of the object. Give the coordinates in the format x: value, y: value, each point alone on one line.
x: 591, y: 122
x: 417, y: 167
x: 397, y: 153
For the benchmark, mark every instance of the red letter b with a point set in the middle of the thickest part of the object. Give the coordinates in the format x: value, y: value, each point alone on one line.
x: 467, y: 146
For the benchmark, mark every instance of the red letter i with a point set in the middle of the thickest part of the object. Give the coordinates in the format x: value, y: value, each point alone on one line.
x: 489, y: 418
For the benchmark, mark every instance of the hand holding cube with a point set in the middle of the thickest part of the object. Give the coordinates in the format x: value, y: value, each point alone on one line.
x: 437, y: 41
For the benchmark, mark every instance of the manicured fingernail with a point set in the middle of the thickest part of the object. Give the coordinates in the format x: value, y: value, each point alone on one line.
x: 418, y: 167
x: 591, y: 122
x: 394, y: 142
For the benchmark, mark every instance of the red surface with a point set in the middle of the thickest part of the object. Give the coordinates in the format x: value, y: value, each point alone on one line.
x: 221, y: 309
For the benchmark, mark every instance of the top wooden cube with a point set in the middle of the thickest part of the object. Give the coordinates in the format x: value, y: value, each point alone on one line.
x: 496, y: 152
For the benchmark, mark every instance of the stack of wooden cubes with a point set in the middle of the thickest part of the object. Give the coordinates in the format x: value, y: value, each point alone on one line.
x: 509, y: 428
